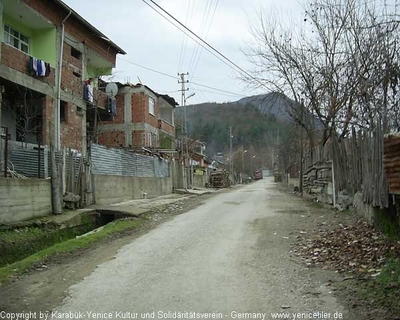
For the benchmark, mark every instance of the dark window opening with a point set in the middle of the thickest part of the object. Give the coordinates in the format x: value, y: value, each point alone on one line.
x: 104, y: 115
x: 76, y: 53
x: 63, y: 111
x: 76, y: 74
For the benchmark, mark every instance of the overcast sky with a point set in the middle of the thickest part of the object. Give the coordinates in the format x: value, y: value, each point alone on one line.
x: 151, y: 41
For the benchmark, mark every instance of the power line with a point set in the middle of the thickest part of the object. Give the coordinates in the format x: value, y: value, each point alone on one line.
x: 150, y: 69
x: 195, y: 40
x: 220, y: 90
x: 176, y: 78
x: 184, y: 40
x: 202, y: 27
x: 219, y: 93
x: 201, y: 50
x: 203, y: 41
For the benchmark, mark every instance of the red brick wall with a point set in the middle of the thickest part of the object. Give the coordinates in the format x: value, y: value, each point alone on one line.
x: 138, y: 138
x: 19, y: 61
x: 71, y: 77
x: 71, y: 129
x: 140, y: 110
x: 113, y: 138
x: 50, y: 10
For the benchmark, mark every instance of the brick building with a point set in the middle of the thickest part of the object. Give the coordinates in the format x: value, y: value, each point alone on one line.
x: 143, y: 118
x: 41, y: 101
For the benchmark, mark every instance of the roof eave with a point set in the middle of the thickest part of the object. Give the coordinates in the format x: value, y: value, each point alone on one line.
x: 91, y: 27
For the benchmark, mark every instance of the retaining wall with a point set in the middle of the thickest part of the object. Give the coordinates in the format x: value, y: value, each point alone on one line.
x: 23, y: 199
x: 113, y: 189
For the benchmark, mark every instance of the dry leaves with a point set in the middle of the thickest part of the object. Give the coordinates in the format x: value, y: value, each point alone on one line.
x: 358, y: 248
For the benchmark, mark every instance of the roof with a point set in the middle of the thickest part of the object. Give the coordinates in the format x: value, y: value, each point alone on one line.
x: 91, y: 27
x: 169, y: 99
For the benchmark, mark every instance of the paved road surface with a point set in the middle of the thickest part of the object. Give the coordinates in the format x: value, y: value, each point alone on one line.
x: 229, y: 256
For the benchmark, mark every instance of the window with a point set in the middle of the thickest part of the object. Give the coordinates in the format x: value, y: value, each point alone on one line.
x: 151, y: 106
x: 16, y: 39
x: 76, y: 53
x: 63, y: 111
x: 150, y: 140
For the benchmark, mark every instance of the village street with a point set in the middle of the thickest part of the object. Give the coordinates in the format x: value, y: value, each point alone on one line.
x: 229, y: 256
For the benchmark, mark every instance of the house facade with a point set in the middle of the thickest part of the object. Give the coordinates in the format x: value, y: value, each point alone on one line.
x: 42, y: 100
x: 143, y: 118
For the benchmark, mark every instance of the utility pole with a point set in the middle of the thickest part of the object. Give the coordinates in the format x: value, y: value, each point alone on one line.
x: 231, y: 154
x: 301, y: 148
x: 184, y: 144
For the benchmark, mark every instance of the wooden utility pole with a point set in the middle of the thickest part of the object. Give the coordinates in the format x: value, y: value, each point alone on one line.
x: 301, y: 148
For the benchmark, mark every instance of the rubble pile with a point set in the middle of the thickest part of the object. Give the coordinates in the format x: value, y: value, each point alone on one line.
x: 359, y: 249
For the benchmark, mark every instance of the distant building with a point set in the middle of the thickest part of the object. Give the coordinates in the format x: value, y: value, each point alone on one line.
x: 143, y: 118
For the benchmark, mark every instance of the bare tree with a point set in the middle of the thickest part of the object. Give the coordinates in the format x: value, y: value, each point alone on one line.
x: 26, y: 108
x: 338, y: 66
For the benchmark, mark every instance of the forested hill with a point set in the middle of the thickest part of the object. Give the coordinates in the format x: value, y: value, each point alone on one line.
x: 210, y: 122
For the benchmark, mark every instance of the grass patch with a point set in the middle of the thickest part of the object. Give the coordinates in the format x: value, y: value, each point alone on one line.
x: 66, y: 247
x: 383, y: 292
x: 17, y: 244
x: 390, y: 275
x: 315, y: 204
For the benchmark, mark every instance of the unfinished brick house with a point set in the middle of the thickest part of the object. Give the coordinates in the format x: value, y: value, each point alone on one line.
x: 41, y: 101
x: 143, y: 118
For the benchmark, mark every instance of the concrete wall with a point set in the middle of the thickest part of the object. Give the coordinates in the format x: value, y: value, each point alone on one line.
x: 114, y: 189
x: 23, y: 199
x: 200, y: 181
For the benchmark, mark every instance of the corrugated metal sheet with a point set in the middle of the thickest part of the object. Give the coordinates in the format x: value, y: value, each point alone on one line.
x: 125, y: 163
x: 25, y: 162
x: 391, y: 162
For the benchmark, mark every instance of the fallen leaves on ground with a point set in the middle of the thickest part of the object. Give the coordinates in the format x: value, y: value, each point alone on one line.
x: 358, y: 248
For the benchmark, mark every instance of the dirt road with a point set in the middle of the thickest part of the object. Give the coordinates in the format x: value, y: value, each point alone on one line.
x: 228, y: 258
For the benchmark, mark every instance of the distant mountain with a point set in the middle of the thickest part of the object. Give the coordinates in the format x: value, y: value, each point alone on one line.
x: 274, y: 104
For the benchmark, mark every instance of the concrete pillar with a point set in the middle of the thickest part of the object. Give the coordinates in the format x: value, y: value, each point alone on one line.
x: 48, y: 120
x: 128, y: 117
x: 1, y: 21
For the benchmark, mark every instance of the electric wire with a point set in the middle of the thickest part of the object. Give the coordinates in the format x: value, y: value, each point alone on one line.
x: 202, y: 27
x: 150, y: 69
x: 184, y: 40
x: 176, y: 78
x: 231, y: 63
x: 201, y: 49
x: 220, y: 57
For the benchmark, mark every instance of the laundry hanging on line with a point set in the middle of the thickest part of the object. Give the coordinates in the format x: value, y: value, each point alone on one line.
x: 112, y: 106
x: 38, y: 67
x: 88, y: 91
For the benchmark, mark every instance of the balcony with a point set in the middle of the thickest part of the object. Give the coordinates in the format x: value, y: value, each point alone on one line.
x: 18, y: 60
x: 166, y: 127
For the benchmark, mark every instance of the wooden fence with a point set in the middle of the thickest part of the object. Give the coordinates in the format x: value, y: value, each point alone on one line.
x: 357, y: 165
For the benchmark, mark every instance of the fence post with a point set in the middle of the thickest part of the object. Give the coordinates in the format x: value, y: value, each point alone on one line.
x: 6, y: 153
x: 333, y: 184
